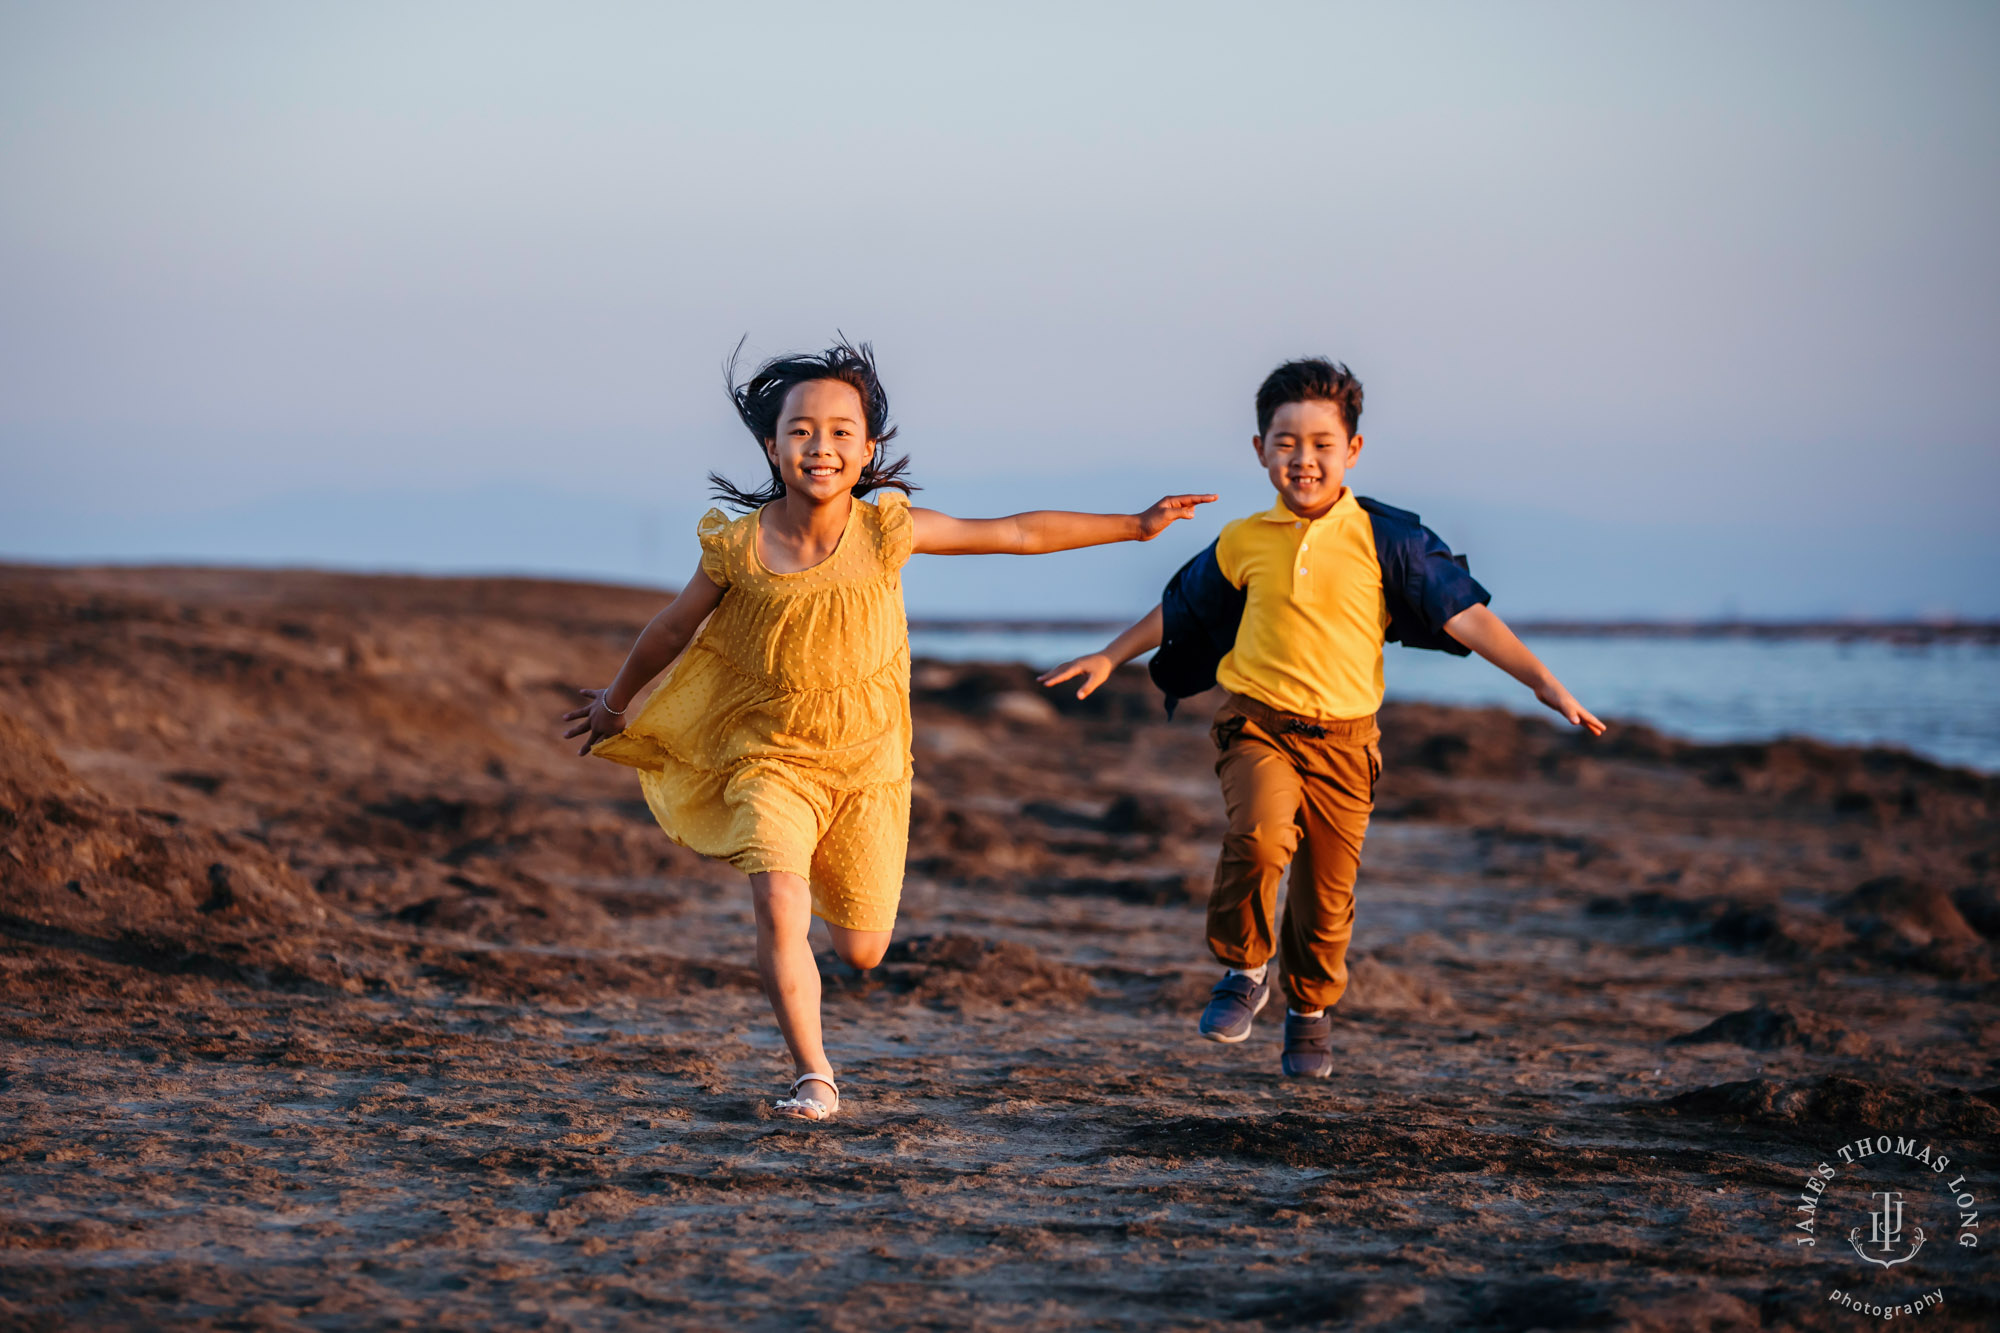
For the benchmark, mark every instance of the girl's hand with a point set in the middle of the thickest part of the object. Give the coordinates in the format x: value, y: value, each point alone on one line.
x: 1163, y: 515
x: 594, y: 718
x: 1562, y: 701
x: 1095, y: 668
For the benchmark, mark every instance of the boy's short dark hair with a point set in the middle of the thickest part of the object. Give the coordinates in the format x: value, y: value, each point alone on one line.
x: 1314, y: 379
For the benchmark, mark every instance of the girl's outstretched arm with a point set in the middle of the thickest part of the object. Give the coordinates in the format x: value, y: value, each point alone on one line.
x: 1043, y: 530
x: 665, y: 635
x: 1487, y: 634
x: 1096, y: 668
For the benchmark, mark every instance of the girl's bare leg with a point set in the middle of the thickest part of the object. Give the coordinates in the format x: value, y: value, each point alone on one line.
x: 862, y: 949
x: 785, y: 962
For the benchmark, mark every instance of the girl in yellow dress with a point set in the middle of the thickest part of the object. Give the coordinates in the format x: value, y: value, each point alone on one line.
x: 779, y: 740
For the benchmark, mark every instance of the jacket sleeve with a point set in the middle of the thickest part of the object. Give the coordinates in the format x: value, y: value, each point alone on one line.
x: 1199, y: 612
x: 1424, y: 583
x: 1437, y: 584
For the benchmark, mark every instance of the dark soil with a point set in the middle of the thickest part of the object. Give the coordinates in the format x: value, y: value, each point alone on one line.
x: 337, y: 992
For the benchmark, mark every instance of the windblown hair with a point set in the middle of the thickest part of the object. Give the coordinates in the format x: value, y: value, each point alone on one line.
x: 1314, y: 379
x: 761, y: 398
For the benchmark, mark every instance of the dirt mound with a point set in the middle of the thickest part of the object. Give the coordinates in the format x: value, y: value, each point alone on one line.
x: 1879, y: 787
x: 1912, y: 924
x: 1540, y: 855
x: 1405, y: 795
x: 1777, y: 930
x: 508, y: 905
x: 141, y: 888
x: 1764, y: 1028
x: 1896, y: 909
x: 1876, y: 785
x: 1837, y: 1105
x: 1893, y: 921
x: 29, y: 768
x: 955, y: 971
x: 154, y: 889
x: 1376, y: 987
x: 1465, y: 742
x: 1127, y: 813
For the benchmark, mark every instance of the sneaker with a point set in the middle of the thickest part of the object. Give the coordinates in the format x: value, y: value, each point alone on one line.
x: 1232, y: 1005
x: 1308, y: 1045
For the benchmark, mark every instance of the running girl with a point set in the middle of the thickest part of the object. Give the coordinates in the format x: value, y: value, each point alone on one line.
x: 780, y: 739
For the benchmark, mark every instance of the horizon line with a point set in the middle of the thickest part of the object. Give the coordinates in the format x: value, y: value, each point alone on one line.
x: 1904, y: 629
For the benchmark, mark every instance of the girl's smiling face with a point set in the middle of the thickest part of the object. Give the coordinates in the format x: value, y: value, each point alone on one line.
x: 822, y: 442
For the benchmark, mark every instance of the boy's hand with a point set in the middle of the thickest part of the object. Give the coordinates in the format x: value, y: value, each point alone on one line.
x: 1487, y: 634
x: 594, y: 718
x: 1095, y: 668
x: 1160, y: 517
x: 1560, y: 699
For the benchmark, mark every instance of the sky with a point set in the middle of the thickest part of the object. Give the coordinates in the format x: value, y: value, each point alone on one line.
x: 1662, y: 311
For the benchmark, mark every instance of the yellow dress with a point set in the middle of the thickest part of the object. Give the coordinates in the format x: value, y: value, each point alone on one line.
x: 780, y: 740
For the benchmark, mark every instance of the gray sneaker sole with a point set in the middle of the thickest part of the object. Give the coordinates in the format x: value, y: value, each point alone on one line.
x: 1244, y: 1035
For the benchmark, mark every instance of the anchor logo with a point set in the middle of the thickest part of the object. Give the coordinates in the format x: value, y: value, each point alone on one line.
x: 1886, y: 1230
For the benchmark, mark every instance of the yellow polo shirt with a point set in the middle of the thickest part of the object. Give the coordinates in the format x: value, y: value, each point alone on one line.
x: 1314, y: 613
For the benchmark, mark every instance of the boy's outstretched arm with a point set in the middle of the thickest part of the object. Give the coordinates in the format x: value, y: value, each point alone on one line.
x: 1487, y: 634
x: 663, y: 639
x: 1096, y: 668
x: 1044, y: 530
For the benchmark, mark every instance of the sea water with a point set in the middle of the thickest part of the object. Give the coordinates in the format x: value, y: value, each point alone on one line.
x: 1939, y: 699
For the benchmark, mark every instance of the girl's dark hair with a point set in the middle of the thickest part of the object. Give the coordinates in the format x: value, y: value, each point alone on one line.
x: 761, y: 398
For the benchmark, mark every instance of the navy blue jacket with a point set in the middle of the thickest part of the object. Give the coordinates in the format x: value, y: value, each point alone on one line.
x: 1422, y: 581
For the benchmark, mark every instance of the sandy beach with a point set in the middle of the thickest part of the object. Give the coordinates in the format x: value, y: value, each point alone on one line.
x: 337, y: 992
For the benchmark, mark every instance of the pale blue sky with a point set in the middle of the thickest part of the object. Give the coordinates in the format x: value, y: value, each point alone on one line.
x: 1662, y: 310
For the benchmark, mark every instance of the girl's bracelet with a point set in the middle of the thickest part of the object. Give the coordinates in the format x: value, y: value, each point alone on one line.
x: 615, y: 712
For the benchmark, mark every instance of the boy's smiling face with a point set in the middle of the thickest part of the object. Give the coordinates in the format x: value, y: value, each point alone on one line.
x: 822, y: 442
x: 1307, y: 452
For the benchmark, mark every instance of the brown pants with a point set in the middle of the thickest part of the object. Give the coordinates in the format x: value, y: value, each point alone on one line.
x: 1295, y: 798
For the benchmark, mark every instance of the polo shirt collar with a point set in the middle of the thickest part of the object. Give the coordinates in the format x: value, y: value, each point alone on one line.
x: 1280, y: 513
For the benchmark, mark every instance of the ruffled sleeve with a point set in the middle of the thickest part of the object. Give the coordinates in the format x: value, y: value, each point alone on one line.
x: 898, y: 530
x: 713, y: 530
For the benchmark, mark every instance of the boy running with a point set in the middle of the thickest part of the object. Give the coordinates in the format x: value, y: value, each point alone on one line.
x: 1288, y: 611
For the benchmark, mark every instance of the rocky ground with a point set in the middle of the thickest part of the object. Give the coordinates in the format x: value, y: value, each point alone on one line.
x: 337, y: 992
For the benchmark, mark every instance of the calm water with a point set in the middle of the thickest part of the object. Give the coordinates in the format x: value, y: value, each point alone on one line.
x: 1940, y: 700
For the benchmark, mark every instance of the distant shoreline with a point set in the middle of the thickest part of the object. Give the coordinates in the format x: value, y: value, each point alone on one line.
x: 223, y: 576
x: 1879, y: 631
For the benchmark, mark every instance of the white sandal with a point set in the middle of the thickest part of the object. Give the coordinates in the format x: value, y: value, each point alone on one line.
x: 809, y: 1108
